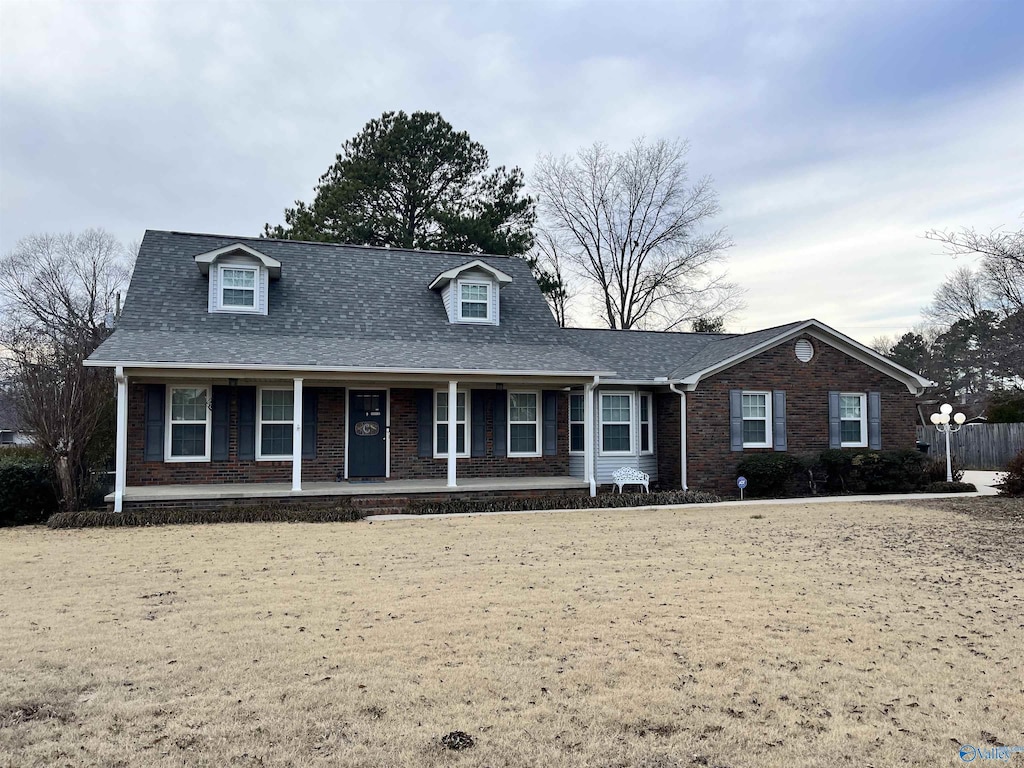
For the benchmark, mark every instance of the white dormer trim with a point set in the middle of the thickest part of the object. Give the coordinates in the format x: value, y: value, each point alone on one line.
x: 205, y: 260
x: 449, y: 275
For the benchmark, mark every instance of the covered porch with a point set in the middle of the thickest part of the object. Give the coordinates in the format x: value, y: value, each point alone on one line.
x: 468, y: 486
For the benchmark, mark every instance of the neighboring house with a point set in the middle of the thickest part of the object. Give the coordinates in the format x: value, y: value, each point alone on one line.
x: 250, y: 368
x: 12, y: 431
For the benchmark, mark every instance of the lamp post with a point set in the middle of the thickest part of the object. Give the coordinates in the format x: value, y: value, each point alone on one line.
x: 941, y: 421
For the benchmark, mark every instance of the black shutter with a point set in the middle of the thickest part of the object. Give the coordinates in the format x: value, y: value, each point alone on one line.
x: 425, y: 422
x: 736, y: 419
x: 500, y: 423
x: 779, y: 420
x: 550, y: 425
x: 247, y: 423
x: 154, y: 422
x: 221, y: 423
x: 875, y: 421
x: 478, y: 422
x: 309, y: 411
x: 835, y: 436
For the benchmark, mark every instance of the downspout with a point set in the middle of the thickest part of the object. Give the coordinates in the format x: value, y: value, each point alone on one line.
x: 591, y: 434
x: 682, y: 433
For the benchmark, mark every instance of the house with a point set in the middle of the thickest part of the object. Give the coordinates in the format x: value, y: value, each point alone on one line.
x: 262, y: 369
x: 12, y: 430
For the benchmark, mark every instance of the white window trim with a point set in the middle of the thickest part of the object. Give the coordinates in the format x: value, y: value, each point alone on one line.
x: 169, y: 424
x: 632, y: 427
x: 490, y: 301
x: 583, y: 400
x: 767, y: 419
x: 863, y: 442
x: 469, y: 435
x: 257, y: 282
x: 537, y: 424
x: 649, y: 397
x: 260, y: 422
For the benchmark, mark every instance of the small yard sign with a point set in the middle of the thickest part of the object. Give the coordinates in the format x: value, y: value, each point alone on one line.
x: 741, y: 483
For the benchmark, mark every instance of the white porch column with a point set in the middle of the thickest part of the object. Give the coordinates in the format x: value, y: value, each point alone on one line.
x: 453, y: 444
x: 121, y: 448
x: 296, y: 434
x: 682, y: 434
x: 588, y: 437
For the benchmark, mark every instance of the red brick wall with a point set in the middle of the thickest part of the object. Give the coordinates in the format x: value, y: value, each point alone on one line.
x: 666, y: 430
x: 711, y: 465
x: 330, y: 459
x: 406, y: 463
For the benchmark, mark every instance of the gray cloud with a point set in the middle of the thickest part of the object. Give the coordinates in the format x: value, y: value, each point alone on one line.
x: 215, y: 116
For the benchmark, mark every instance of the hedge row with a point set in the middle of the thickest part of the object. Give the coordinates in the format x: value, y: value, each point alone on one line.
x: 843, y: 471
x: 342, y: 512
x: 477, y: 506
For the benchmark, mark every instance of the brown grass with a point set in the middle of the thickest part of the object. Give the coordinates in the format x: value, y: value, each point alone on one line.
x: 843, y: 634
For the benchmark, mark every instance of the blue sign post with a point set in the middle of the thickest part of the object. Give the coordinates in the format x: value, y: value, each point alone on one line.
x: 741, y: 483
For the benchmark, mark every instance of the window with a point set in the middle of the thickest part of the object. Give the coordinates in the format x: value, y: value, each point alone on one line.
x: 523, y: 424
x: 474, y: 302
x: 238, y: 287
x: 188, y: 438
x: 646, y: 424
x: 276, y: 424
x: 757, y: 417
x: 616, y: 423
x: 441, y: 413
x: 576, y: 431
x: 853, y: 415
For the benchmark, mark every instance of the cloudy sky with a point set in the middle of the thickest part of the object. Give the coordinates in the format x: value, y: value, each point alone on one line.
x: 837, y: 133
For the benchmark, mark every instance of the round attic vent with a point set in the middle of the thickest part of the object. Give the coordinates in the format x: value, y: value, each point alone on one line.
x: 804, y: 350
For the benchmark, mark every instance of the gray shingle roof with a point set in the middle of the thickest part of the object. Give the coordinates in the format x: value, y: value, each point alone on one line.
x: 334, y: 306
x: 339, y: 306
x: 640, y: 355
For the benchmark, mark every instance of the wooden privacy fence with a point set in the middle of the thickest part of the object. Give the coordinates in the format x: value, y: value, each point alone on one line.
x: 977, y: 446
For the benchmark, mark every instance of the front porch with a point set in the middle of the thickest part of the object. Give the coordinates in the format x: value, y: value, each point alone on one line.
x: 168, y: 494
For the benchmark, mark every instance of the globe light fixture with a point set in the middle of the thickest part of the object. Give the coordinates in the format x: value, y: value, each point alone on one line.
x: 941, y: 421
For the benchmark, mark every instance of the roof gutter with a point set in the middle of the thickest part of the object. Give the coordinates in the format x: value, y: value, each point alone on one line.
x: 263, y: 368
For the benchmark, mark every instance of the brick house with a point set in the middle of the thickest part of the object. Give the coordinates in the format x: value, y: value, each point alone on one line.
x: 264, y: 369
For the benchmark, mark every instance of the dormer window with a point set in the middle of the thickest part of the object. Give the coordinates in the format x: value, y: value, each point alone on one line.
x: 474, y: 301
x: 239, y: 278
x: 238, y: 288
x: 471, y: 292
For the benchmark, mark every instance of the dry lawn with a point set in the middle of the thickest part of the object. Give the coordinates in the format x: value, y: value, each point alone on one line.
x: 847, y: 634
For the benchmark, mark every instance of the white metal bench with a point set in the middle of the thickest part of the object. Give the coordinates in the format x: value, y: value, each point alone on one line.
x: 631, y: 476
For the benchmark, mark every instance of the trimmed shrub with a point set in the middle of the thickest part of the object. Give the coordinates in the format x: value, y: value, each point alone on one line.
x: 1013, y: 482
x: 478, y: 506
x: 865, y: 471
x: 770, y: 474
x: 26, y: 493
x: 954, y: 487
x: 341, y: 512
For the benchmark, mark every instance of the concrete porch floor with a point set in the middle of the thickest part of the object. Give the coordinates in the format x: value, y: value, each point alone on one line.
x: 345, y: 488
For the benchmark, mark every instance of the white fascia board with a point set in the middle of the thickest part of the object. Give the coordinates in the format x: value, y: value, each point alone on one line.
x: 204, y: 260
x: 914, y: 383
x: 450, y: 274
x: 249, y: 367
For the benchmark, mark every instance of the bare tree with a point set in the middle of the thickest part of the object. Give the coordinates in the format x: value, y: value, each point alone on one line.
x: 1002, y: 261
x: 633, y: 228
x: 59, y: 293
x: 548, y: 259
x: 962, y: 296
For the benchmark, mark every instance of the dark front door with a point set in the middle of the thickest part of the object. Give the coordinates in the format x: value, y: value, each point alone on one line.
x: 367, y: 432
